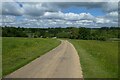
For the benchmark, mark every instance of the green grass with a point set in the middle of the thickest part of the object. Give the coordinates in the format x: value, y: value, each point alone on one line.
x: 0, y: 57
x: 99, y: 59
x: 19, y: 51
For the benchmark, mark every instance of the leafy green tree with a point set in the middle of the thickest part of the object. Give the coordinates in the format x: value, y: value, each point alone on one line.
x: 63, y: 35
x: 84, y: 33
x: 74, y: 33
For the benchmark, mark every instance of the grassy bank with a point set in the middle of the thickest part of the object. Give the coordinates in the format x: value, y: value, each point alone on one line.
x: 99, y: 59
x: 19, y: 51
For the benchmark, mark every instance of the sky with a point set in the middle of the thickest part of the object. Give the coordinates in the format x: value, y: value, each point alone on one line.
x: 59, y: 14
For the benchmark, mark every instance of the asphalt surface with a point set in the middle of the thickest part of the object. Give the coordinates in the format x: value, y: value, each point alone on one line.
x: 61, y: 62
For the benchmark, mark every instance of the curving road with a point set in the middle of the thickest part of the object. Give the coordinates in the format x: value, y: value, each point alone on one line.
x: 61, y: 62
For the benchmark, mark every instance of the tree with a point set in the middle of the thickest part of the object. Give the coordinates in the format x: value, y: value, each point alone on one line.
x: 84, y: 33
x: 74, y: 33
x: 63, y: 35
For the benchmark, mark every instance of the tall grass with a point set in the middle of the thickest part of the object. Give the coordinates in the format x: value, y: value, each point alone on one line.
x: 19, y: 51
x: 99, y: 59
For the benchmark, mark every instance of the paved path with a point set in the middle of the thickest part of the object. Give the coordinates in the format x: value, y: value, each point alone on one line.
x: 61, y: 62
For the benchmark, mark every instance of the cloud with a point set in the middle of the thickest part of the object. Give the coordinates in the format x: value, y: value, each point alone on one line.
x: 11, y: 9
x: 33, y: 10
x: 102, y: 20
x: 63, y: 1
x: 105, y: 6
x: 38, y: 9
x: 67, y: 16
x: 8, y: 19
x: 86, y: 16
x: 51, y: 15
x: 79, y: 4
x: 59, y: 19
x: 110, y: 6
x: 113, y: 14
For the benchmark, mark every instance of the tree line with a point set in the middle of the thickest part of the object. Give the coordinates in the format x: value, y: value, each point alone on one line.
x: 104, y: 33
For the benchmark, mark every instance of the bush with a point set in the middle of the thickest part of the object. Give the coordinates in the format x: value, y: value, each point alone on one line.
x: 102, y: 38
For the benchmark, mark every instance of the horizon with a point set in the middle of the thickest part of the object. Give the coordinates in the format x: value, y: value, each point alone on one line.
x: 62, y: 27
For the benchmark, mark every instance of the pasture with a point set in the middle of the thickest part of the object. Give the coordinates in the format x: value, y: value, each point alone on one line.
x: 16, y: 52
x: 99, y: 59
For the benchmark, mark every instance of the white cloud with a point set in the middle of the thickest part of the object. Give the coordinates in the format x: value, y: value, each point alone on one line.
x: 68, y: 22
x: 71, y: 16
x: 86, y: 16
x: 113, y: 14
x: 8, y: 19
x: 102, y: 20
x: 51, y: 15
x: 67, y: 16
x: 85, y: 21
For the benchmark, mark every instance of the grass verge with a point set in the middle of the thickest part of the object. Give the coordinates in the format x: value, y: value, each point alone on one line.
x: 16, y: 52
x: 99, y: 59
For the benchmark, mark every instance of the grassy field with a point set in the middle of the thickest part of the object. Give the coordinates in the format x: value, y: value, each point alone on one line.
x: 0, y: 57
x: 99, y: 59
x: 19, y: 51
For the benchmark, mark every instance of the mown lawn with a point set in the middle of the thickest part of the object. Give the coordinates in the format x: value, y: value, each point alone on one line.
x: 99, y: 59
x: 16, y: 52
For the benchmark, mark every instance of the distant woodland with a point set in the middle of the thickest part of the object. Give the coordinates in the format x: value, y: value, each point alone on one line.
x: 104, y: 33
